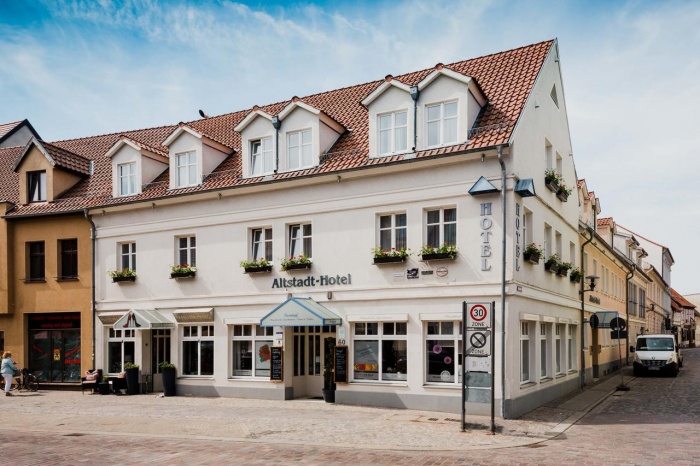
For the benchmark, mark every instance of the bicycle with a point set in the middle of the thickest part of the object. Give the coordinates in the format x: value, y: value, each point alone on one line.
x: 25, y: 380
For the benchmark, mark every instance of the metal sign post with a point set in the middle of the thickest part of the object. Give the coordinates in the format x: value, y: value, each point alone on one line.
x: 478, y: 342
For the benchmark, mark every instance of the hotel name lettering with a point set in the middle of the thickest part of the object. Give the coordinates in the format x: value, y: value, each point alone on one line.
x: 311, y: 281
x: 486, y: 224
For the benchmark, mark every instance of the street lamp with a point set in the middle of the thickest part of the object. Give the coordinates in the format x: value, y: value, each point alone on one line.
x: 590, y: 282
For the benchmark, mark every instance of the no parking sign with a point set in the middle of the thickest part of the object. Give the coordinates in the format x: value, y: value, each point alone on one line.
x: 479, y: 315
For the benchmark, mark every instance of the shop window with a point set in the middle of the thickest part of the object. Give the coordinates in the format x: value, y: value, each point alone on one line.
x: 441, y: 227
x: 525, y: 353
x: 300, y: 240
x: 36, y: 186
x: 443, y: 352
x: 121, y: 348
x: 261, y: 242
x: 68, y: 259
x: 187, y: 251
x: 380, y: 351
x: 251, y: 351
x: 198, y: 350
x: 36, y: 265
x: 127, y: 256
x: 392, y: 232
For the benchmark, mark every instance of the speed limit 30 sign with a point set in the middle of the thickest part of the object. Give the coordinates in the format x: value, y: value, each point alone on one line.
x: 479, y: 315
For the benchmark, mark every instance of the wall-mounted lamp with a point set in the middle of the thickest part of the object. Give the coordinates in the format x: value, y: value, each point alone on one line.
x: 591, y: 282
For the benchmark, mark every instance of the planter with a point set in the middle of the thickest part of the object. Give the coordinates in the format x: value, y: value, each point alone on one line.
x: 123, y: 279
x: 103, y: 388
x: 260, y: 269
x: 563, y: 272
x: 532, y: 258
x: 553, y: 268
x: 182, y: 274
x: 438, y: 256
x: 552, y: 185
x: 562, y: 196
x: 575, y: 278
x: 132, y: 381
x: 389, y: 260
x: 169, y: 376
x: 328, y: 395
x: 296, y: 267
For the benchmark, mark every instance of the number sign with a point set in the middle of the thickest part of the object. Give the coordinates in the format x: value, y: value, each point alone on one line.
x: 479, y: 315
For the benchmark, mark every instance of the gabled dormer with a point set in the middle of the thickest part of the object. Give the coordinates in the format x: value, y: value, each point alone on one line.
x: 439, y: 111
x: 47, y: 171
x: 192, y: 156
x: 18, y: 133
x: 292, y: 140
x: 134, y: 165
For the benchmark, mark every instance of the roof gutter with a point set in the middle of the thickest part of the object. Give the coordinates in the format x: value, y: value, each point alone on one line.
x: 93, y: 239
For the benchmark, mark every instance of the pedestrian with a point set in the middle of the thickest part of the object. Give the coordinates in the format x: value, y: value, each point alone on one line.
x: 7, y: 369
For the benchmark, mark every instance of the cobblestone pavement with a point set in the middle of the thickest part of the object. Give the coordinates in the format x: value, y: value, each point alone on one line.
x: 656, y: 422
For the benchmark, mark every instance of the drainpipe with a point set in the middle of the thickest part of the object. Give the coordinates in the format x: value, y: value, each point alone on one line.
x: 276, y: 123
x: 503, y: 283
x: 583, y: 304
x: 93, y: 239
x: 627, y: 300
x: 414, y: 95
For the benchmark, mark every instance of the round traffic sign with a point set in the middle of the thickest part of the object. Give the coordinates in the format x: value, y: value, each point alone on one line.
x: 478, y: 339
x: 618, y: 323
x: 478, y: 312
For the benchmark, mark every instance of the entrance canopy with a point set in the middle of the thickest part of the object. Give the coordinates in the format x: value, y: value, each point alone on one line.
x: 142, y: 319
x: 302, y: 312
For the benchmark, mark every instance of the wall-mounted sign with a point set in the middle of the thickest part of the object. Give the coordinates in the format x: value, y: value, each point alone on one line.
x: 518, y: 237
x: 311, y: 281
x: 441, y: 271
x: 411, y: 273
x: 54, y: 321
x: 341, y: 364
x: 486, y: 224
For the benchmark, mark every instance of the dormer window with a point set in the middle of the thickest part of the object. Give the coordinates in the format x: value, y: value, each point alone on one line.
x: 36, y: 185
x: 186, y: 169
x: 393, y: 132
x: 127, y: 178
x: 299, y: 149
x: 441, y: 122
x: 261, y: 157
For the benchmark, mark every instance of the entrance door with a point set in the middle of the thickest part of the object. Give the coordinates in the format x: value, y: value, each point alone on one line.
x: 54, y: 355
x: 309, y: 353
x: 595, y: 352
x: 160, y: 345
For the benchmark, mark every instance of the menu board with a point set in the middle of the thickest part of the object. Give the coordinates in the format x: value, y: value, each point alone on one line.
x: 276, y: 366
x: 341, y: 364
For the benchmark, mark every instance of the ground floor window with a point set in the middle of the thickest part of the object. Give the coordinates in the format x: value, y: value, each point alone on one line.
x: 251, y: 350
x: 558, y: 349
x: 544, y: 353
x: 121, y: 348
x: 380, y: 351
x: 443, y: 354
x: 525, y: 352
x: 571, y: 346
x: 198, y: 350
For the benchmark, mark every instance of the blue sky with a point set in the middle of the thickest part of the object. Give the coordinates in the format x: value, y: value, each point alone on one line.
x: 79, y: 68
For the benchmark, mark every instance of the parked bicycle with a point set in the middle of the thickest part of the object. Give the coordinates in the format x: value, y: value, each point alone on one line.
x: 25, y: 381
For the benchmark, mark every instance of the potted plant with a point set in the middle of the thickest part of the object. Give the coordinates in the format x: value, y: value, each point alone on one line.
x: 123, y: 275
x: 132, y: 378
x: 103, y: 387
x: 328, y: 367
x: 563, y: 192
x: 446, y: 251
x: 295, y: 263
x: 257, y: 266
x: 551, y: 179
x: 532, y: 253
x: 575, y: 276
x: 169, y: 376
x: 564, y: 268
x: 382, y: 256
x: 182, y: 271
x: 552, y: 264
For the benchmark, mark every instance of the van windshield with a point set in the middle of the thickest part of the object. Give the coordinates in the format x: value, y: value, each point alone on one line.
x: 655, y: 344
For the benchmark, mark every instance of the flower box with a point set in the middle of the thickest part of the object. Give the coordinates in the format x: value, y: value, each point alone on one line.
x: 182, y: 274
x: 389, y: 260
x: 123, y: 279
x: 552, y: 185
x: 258, y: 269
x: 532, y: 258
x: 562, y: 195
x: 551, y: 267
x: 296, y: 266
x: 575, y: 278
x: 438, y: 256
x: 562, y: 272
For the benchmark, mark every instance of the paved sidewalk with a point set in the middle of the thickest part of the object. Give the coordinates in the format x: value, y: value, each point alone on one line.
x: 296, y: 422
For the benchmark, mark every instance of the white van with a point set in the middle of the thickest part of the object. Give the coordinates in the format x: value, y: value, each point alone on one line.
x: 655, y: 354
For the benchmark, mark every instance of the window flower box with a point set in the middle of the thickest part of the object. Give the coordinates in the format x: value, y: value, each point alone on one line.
x: 551, y: 180
x: 394, y: 256
x: 444, y: 252
x: 563, y: 269
x: 124, y: 279
x: 182, y: 274
x: 389, y: 260
x: 552, y: 264
x: 532, y: 253
x: 575, y: 276
x: 299, y: 262
x: 438, y: 256
x: 261, y: 265
x: 123, y: 275
x: 563, y: 195
x: 183, y: 271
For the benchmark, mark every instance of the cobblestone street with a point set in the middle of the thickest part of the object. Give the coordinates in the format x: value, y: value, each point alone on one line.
x: 653, y: 423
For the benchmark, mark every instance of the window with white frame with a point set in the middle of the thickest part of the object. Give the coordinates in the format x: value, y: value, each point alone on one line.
x: 528, y: 227
x: 300, y: 240
x: 126, y: 174
x: 121, y: 348
x: 186, y: 169
x: 392, y: 231
x: 525, y: 374
x: 443, y: 352
x: 544, y: 354
x: 441, y: 120
x: 380, y: 351
x: 261, y: 244
x: 127, y: 255
x: 299, y: 149
x: 261, y: 157
x: 198, y: 350
x: 558, y: 349
x: 393, y: 132
x: 251, y: 350
x: 441, y: 227
x: 187, y: 251
x: 548, y: 241
x: 571, y: 346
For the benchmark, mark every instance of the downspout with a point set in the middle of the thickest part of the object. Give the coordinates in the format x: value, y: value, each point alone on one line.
x: 583, y: 314
x: 627, y: 305
x: 414, y: 95
x: 276, y: 123
x: 503, y: 283
x: 92, y: 240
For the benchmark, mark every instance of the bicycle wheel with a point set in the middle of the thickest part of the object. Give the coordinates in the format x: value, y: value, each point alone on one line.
x: 31, y: 382
x: 15, y: 383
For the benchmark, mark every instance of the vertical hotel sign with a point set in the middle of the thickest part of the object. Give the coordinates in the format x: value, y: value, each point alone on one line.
x: 486, y: 223
x: 518, y: 236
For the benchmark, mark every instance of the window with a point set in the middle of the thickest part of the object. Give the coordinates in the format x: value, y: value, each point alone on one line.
x: 544, y: 369
x: 261, y: 240
x: 642, y: 303
x: 441, y: 227
x: 524, y: 352
x: 121, y: 348
x: 2, y: 340
x: 127, y: 256
x: 198, y: 350
x: 558, y: 353
x: 392, y: 231
x: 571, y: 346
x: 300, y: 240
x: 393, y: 132
x: 160, y: 348
x: 126, y: 174
x: 443, y: 352
x: 528, y: 227
x: 36, y: 261
x: 186, y: 169
x: 261, y: 157
x: 442, y: 123
x: 548, y: 246
x: 187, y: 250
x: 68, y: 259
x: 36, y: 185
x: 251, y: 351
x: 299, y: 149
x: 553, y: 95
x: 380, y: 351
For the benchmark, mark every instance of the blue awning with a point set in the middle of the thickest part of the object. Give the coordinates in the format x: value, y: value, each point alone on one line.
x: 302, y: 312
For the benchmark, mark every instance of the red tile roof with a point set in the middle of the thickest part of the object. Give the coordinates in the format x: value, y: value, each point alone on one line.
x: 604, y: 221
x: 680, y: 300
x: 67, y: 160
x: 506, y: 79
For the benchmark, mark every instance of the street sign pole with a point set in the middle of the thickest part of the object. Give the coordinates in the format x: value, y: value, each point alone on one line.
x: 464, y: 366
x: 493, y: 369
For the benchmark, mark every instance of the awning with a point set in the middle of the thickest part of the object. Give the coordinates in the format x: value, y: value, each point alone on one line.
x: 302, y: 312
x: 142, y: 319
x: 200, y: 314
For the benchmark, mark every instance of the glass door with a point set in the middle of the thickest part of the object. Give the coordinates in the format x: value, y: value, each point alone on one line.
x: 160, y: 352
x: 55, y: 355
